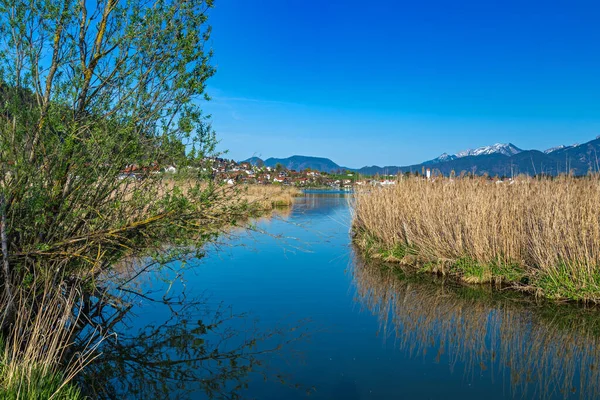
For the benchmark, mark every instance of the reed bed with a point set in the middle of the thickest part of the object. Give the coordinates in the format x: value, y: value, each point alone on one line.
x: 535, y: 234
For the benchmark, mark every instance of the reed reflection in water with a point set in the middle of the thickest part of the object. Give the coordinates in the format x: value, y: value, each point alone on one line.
x: 536, y: 350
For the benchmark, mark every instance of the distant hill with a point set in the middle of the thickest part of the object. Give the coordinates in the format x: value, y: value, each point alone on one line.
x: 299, y: 163
x: 254, y: 161
x: 498, y: 159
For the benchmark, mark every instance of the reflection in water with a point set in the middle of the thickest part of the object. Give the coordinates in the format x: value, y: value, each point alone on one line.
x: 193, y: 348
x: 275, y: 214
x: 537, y: 350
x: 172, y: 346
x: 321, y: 204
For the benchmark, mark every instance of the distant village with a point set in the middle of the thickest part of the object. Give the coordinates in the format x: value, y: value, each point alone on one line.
x: 232, y: 172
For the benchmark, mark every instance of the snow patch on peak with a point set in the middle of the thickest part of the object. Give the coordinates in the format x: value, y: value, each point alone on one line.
x: 561, y: 147
x: 442, y: 158
x: 508, y: 149
x: 556, y: 148
x: 445, y: 157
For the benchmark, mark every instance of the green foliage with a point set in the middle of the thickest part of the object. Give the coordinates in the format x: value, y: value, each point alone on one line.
x: 509, y: 272
x: 398, y: 251
x: 472, y: 271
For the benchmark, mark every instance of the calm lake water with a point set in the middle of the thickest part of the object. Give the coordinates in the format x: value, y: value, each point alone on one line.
x: 371, y: 333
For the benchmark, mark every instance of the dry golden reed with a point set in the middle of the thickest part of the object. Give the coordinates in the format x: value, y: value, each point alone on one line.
x: 37, y: 359
x: 269, y: 196
x: 262, y: 197
x: 547, y: 228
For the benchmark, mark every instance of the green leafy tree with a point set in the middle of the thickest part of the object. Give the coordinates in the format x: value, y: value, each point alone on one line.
x: 96, y: 98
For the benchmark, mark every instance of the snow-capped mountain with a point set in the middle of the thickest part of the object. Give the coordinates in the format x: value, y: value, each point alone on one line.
x: 508, y: 149
x: 446, y: 157
x: 496, y: 160
x: 561, y: 147
x: 556, y: 148
x: 507, y: 160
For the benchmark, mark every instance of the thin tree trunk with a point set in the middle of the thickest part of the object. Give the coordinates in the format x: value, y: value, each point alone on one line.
x: 5, y: 265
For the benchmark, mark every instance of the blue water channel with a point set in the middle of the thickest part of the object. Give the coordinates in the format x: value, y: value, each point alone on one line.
x: 350, y: 329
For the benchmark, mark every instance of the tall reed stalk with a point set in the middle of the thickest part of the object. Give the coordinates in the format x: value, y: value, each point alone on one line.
x: 37, y: 360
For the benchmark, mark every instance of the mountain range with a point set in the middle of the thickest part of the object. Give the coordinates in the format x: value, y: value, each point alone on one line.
x: 498, y: 159
x: 300, y: 163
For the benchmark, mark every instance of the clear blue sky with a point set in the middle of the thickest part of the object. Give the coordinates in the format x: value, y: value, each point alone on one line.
x: 399, y: 82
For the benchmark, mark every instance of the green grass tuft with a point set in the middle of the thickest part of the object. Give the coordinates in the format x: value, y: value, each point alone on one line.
x: 36, y: 385
x: 562, y: 283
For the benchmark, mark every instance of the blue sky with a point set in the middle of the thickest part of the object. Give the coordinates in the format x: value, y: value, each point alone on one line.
x: 399, y: 82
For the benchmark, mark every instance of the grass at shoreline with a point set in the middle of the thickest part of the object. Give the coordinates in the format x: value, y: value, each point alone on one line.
x: 36, y: 359
x: 34, y: 384
x: 465, y: 269
x: 268, y: 197
x: 541, y: 236
x: 257, y: 197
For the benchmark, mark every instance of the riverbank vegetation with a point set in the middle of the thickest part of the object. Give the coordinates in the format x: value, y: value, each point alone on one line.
x: 268, y: 197
x: 538, y: 235
x: 253, y: 197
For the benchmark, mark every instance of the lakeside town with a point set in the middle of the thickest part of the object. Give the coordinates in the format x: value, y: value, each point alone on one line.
x: 244, y: 172
x: 232, y: 172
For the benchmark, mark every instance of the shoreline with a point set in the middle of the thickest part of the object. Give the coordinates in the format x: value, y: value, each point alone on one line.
x: 462, y: 271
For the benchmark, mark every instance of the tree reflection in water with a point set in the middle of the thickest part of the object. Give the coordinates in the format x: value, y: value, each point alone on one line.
x: 537, y: 349
x: 197, y: 350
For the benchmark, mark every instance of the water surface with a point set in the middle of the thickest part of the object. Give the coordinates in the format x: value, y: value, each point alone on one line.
x: 374, y: 333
